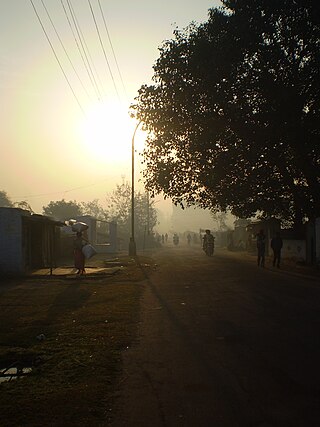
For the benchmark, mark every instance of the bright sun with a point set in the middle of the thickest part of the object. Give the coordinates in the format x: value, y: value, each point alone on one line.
x: 106, y: 133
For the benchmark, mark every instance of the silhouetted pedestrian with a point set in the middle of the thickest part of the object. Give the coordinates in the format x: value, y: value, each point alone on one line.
x: 261, y: 247
x: 276, y: 245
x: 189, y: 238
x: 79, y: 258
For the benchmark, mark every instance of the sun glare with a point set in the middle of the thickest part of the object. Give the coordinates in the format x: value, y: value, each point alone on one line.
x: 106, y: 133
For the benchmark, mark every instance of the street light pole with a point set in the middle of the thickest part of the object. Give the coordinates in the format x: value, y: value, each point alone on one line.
x: 132, y: 243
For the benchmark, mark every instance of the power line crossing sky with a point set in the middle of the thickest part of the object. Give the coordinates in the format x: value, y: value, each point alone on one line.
x: 69, y: 70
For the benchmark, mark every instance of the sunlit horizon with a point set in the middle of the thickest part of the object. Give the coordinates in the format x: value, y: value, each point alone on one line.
x: 59, y: 140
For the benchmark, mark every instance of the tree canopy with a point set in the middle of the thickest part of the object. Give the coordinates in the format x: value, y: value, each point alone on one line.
x: 63, y: 210
x: 5, y: 201
x: 95, y: 209
x: 120, y: 211
x: 233, y: 111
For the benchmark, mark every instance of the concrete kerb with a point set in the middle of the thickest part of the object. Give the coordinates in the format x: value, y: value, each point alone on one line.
x: 71, y: 273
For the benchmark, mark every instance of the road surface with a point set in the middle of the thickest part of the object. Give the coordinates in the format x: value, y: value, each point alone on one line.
x: 222, y: 343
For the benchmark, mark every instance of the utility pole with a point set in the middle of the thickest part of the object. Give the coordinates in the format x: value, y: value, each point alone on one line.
x: 148, y: 214
x: 132, y: 243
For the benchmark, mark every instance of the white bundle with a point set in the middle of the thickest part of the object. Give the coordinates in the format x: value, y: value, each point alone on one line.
x: 70, y: 222
x: 79, y: 227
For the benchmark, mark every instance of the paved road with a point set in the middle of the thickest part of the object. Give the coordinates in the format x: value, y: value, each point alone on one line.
x: 222, y: 343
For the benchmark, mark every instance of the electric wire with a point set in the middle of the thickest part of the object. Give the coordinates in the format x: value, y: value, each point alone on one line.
x: 56, y: 56
x: 84, y: 48
x: 113, y: 52
x: 77, y: 44
x: 65, y: 51
x: 92, y: 62
x: 103, y: 49
x: 88, y: 52
x: 80, y: 35
x: 59, y: 192
x: 92, y: 79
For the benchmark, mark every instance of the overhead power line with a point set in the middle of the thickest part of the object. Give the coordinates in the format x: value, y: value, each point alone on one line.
x: 65, y: 51
x: 103, y: 49
x: 56, y: 56
x: 81, y: 39
x: 82, y: 47
x: 77, y: 44
x: 113, y: 52
x: 59, y: 192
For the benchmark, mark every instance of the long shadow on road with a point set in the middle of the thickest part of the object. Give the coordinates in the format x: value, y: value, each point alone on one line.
x: 241, y: 337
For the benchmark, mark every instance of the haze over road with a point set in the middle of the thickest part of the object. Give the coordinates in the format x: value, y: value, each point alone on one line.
x: 222, y: 343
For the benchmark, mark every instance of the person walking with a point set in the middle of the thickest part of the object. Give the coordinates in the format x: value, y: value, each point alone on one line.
x: 276, y: 245
x: 261, y: 247
x: 189, y: 238
x: 79, y: 258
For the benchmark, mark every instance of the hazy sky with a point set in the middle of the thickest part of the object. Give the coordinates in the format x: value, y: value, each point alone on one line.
x: 65, y: 133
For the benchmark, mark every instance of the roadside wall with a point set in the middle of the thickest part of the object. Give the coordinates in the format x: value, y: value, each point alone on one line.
x: 295, y: 249
x: 11, y: 255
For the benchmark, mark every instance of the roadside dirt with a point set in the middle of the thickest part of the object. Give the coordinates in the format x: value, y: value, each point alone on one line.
x: 71, y: 331
x: 136, y: 344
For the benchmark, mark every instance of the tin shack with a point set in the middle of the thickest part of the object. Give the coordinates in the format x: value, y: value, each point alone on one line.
x: 28, y: 241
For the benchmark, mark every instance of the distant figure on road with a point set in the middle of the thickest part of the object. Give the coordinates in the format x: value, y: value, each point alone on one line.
x: 276, y: 245
x: 79, y: 258
x: 162, y: 238
x: 261, y: 247
x: 208, y: 243
x: 189, y: 238
x: 166, y: 237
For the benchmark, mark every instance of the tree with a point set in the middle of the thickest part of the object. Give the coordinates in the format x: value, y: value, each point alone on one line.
x: 23, y: 205
x: 221, y: 219
x: 119, y: 208
x: 233, y: 114
x: 146, y: 215
x: 94, y: 209
x: 5, y: 201
x: 63, y: 210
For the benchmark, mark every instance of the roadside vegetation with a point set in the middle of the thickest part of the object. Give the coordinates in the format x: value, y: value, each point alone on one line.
x: 232, y: 113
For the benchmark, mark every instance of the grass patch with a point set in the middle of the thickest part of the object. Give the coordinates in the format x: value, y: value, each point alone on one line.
x: 86, y: 324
